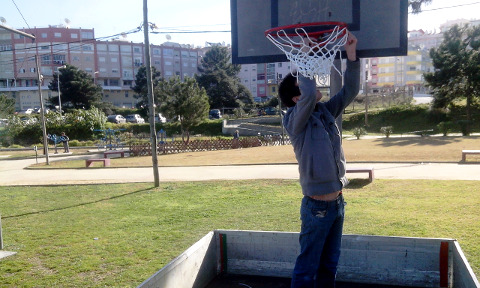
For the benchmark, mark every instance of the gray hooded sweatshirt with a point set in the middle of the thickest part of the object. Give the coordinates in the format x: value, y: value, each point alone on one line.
x: 315, y: 135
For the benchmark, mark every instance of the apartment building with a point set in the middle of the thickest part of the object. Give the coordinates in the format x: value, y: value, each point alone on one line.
x: 262, y: 79
x: 112, y: 64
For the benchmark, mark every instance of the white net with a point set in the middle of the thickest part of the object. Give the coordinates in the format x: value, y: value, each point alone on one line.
x: 312, y: 57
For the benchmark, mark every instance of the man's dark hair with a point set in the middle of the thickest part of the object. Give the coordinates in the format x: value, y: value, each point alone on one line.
x: 288, y: 89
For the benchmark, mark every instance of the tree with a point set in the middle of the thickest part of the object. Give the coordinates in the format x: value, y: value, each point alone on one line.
x: 416, y: 5
x: 142, y: 90
x: 220, y: 80
x: 457, y: 68
x: 7, y: 106
x: 77, y: 89
x: 185, y: 101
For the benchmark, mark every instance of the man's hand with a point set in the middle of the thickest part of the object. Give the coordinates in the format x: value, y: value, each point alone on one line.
x: 351, y: 47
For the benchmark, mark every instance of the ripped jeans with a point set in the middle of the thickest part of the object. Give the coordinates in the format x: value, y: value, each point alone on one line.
x: 320, y: 241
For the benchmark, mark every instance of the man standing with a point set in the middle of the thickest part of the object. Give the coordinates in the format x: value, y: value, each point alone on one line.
x: 316, y: 142
x: 65, y: 140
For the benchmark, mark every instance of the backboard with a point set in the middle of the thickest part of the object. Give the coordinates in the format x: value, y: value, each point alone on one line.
x: 379, y: 25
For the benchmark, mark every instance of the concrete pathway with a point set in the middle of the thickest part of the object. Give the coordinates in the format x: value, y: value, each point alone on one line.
x: 13, y: 173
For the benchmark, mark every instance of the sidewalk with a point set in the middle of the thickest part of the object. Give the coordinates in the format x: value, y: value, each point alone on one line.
x: 13, y: 174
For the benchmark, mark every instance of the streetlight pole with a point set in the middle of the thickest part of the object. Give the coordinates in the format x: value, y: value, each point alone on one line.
x: 58, y: 87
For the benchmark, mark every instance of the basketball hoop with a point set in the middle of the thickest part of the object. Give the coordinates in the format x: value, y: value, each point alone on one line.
x: 312, y: 47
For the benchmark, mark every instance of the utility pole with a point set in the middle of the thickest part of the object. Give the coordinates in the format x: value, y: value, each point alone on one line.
x: 366, y: 103
x: 151, y: 110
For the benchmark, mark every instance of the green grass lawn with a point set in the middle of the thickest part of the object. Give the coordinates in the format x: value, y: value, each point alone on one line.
x: 119, y: 235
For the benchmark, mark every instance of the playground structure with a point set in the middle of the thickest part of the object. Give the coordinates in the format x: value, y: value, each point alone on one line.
x: 56, y: 139
x: 110, y: 139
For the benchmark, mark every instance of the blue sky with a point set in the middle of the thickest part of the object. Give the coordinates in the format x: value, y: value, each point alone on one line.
x: 109, y: 17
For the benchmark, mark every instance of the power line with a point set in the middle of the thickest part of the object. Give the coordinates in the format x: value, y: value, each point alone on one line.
x: 455, y: 6
x: 20, y: 13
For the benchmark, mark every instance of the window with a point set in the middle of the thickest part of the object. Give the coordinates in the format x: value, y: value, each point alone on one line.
x: 87, y: 48
x: 87, y: 35
x: 75, y: 47
x: 6, y: 47
x: 44, y: 47
x: 113, y: 82
x: 45, y: 70
x: 101, y: 59
x: 90, y: 70
x: 167, y: 52
x: 46, y: 59
x: 137, y: 50
x: 127, y: 82
x: 58, y: 59
x: 126, y: 94
x: 76, y: 58
x: 74, y: 36
x: 156, y: 51
x: 114, y: 59
x: 44, y: 35
x: 138, y: 62
x: 101, y: 47
x: 115, y: 71
x: 32, y: 70
x: 57, y: 35
x: 113, y: 48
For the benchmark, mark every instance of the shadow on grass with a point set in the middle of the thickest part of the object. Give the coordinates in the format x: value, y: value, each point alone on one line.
x: 76, y: 205
x: 358, y: 183
x: 407, y: 141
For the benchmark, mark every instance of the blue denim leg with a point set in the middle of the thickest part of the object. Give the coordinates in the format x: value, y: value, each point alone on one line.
x: 320, y: 241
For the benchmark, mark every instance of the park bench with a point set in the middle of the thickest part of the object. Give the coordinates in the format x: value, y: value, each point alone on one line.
x: 368, y: 170
x: 89, y: 162
x: 421, y: 132
x: 106, y: 153
x: 466, y: 152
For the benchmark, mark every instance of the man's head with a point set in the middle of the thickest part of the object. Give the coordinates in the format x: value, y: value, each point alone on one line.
x: 288, y: 89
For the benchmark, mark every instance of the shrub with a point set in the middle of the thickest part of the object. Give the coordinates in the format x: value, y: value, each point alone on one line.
x: 74, y: 143
x: 359, y: 131
x: 386, y: 130
x: 445, y: 127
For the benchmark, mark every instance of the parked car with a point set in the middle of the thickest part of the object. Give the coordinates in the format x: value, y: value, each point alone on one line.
x: 270, y: 111
x: 160, y: 119
x: 135, y: 118
x: 25, y: 112
x: 214, y: 114
x: 116, y: 119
